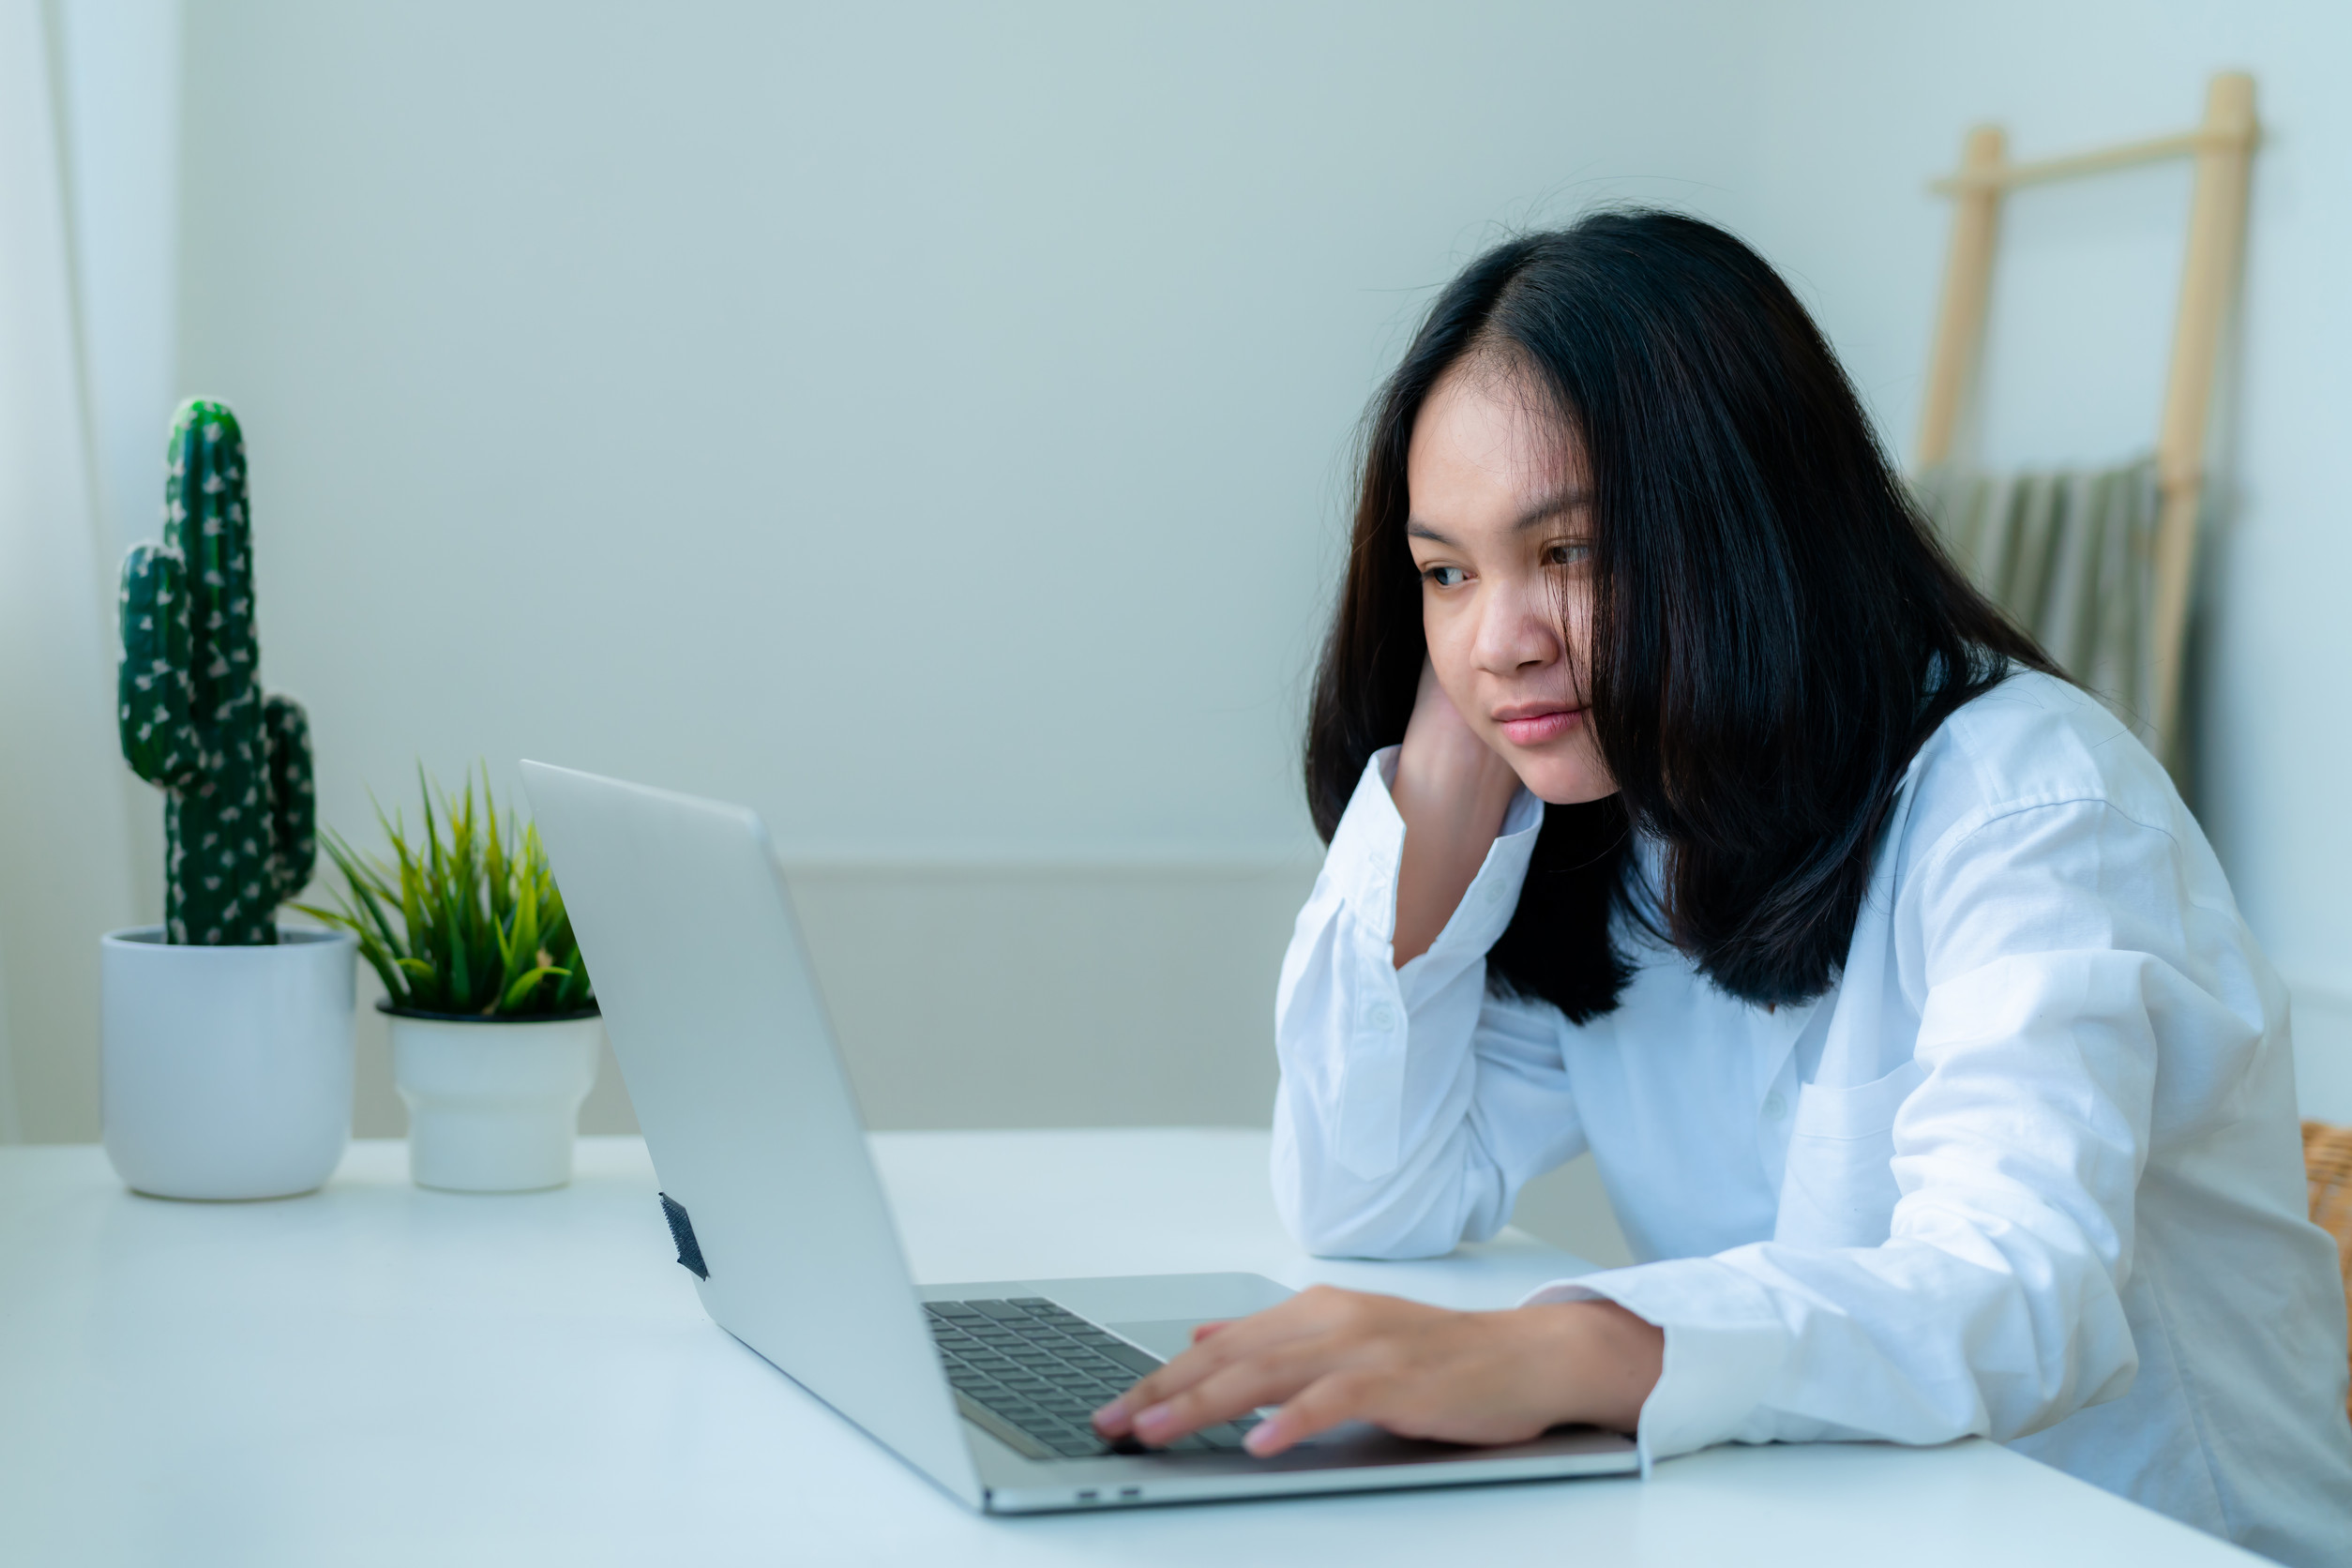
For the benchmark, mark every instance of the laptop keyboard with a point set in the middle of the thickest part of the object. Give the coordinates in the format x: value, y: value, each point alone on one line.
x: 1040, y: 1370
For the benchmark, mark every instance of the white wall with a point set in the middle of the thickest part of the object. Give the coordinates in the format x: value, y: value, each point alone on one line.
x: 923, y: 423
x: 927, y: 425
x: 1864, y: 102
x: 930, y: 426
x: 65, y: 867
x: 121, y: 75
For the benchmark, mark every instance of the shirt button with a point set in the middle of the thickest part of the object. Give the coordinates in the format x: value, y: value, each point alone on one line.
x: 1383, y: 1017
x: 1774, y: 1107
x: 1494, y: 893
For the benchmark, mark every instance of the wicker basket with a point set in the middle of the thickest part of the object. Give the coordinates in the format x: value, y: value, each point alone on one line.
x: 2327, y: 1161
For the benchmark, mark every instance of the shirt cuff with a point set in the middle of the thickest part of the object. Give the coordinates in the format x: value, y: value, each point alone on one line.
x: 1725, y: 1348
x: 1366, y: 848
x: 1368, y: 845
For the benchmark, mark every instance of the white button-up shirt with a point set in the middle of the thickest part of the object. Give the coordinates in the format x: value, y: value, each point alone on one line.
x: 2029, y: 1170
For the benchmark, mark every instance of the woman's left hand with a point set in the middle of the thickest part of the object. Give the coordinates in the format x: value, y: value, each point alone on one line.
x: 1329, y: 1356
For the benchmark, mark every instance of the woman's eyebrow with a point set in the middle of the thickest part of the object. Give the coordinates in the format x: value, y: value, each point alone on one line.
x: 1544, y: 511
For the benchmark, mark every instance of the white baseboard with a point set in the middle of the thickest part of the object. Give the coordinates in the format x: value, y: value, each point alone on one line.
x: 1570, y: 1208
x: 1037, y: 995
x: 1022, y: 994
x: 2323, y: 1050
x: 1010, y: 995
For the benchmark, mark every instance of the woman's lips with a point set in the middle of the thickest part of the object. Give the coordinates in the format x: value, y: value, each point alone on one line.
x: 1534, y: 729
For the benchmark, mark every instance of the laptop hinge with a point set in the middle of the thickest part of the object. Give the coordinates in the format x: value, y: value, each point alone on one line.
x: 682, y: 1232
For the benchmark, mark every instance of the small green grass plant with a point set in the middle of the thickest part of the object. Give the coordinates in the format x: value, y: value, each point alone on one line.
x: 466, y: 921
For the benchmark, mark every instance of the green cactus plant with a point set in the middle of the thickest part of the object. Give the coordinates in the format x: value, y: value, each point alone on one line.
x: 233, y: 763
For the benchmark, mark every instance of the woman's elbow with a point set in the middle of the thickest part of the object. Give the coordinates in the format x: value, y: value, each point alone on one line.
x: 1367, y: 1238
x: 2051, y: 1336
x: 1388, y: 1226
x: 2099, y: 1367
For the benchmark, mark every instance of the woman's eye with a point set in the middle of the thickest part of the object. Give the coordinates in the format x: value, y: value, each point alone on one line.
x: 1444, y: 577
x: 1567, y: 555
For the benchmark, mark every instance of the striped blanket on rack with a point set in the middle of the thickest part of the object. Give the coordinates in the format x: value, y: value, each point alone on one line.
x: 2069, y: 553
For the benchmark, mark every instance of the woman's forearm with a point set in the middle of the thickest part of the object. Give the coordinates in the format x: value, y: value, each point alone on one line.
x: 1617, y: 1358
x: 1451, y: 821
x: 1452, y: 792
x: 1442, y: 854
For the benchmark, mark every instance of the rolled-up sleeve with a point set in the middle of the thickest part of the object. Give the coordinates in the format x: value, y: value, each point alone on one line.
x: 1412, y: 1104
x: 2052, y: 945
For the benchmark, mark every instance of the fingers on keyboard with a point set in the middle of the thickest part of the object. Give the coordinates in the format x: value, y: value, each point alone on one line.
x: 1043, y: 1369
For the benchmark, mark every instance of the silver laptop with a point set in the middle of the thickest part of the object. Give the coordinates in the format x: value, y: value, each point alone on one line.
x: 774, y: 1205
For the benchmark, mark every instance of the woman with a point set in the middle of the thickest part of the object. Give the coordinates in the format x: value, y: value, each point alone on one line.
x: 1685, y: 806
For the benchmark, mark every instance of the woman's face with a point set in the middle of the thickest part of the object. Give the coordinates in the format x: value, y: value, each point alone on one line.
x: 1501, y: 531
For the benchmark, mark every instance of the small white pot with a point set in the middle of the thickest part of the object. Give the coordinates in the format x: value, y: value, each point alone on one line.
x: 225, y: 1072
x: 493, y: 1105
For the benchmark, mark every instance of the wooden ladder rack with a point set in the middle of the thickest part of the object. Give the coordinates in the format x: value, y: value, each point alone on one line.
x: 2223, y: 147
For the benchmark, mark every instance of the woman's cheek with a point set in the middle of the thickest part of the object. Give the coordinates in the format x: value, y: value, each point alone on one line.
x: 1450, y: 657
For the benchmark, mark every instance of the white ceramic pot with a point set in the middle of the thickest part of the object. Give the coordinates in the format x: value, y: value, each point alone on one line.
x: 225, y: 1072
x: 493, y: 1105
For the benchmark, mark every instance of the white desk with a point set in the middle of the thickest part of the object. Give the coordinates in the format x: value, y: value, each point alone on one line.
x: 382, y: 1375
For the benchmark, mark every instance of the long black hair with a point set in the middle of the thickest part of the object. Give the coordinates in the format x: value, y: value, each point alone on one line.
x: 1774, y: 630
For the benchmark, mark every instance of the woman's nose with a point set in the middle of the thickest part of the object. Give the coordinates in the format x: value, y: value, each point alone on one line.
x: 1517, y: 629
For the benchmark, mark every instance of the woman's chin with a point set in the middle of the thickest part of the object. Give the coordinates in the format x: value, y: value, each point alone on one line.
x: 1564, y: 780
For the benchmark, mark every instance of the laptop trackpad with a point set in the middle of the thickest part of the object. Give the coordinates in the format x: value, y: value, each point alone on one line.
x: 1166, y: 1337
x: 1155, y: 1311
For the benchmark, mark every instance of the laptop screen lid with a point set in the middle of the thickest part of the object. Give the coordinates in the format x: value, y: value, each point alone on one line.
x: 686, y: 927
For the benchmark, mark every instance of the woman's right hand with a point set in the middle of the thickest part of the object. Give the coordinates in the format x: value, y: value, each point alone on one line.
x: 1452, y: 790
